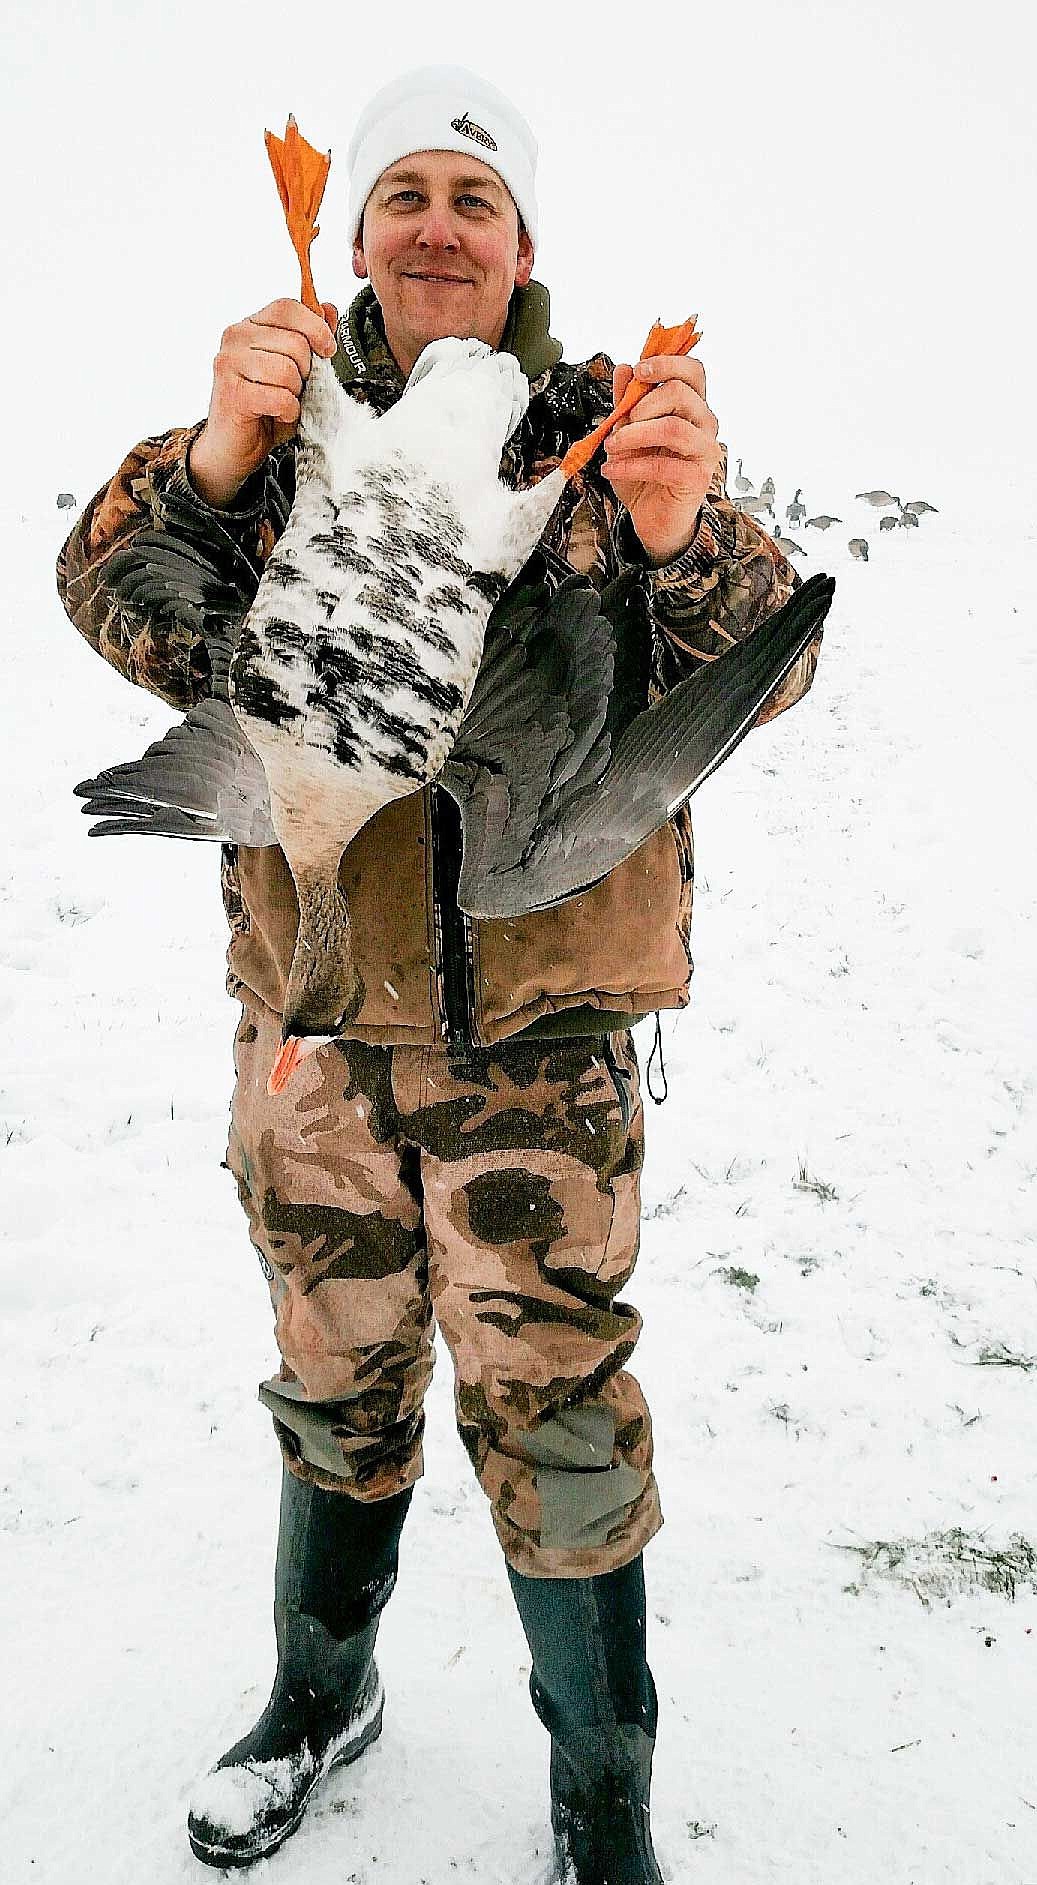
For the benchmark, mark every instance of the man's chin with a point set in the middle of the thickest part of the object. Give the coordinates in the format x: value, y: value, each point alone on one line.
x: 446, y: 329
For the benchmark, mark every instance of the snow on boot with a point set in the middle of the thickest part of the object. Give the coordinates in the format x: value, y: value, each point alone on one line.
x: 336, y: 1568
x: 593, y: 1690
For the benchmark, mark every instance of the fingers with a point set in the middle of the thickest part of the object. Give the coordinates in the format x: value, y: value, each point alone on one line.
x: 676, y: 474
x: 621, y: 378
x: 667, y: 366
x: 258, y: 383
x: 673, y: 396
x: 669, y: 438
x: 268, y: 368
x: 669, y: 431
x: 260, y: 399
x: 284, y: 331
x: 294, y: 317
x: 264, y: 361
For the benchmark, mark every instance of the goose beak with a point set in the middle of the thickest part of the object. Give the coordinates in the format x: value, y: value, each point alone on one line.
x: 293, y: 1050
x: 284, y: 1066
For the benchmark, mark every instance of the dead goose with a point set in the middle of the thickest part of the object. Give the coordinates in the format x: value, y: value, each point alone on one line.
x: 357, y: 660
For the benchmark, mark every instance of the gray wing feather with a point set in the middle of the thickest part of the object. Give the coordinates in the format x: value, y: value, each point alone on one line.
x: 637, y: 771
x: 201, y: 780
x: 164, y: 579
x: 538, y: 705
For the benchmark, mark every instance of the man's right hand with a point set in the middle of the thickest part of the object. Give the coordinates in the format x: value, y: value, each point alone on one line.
x: 257, y: 381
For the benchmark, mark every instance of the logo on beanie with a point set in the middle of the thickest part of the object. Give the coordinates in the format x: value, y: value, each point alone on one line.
x: 474, y: 131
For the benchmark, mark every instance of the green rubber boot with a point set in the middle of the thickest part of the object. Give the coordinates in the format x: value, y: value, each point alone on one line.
x: 336, y: 1567
x: 593, y: 1690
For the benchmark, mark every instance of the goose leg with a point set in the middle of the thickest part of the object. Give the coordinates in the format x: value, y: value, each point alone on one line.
x: 529, y: 513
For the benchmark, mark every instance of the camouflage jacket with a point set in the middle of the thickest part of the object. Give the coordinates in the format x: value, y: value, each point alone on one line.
x: 597, y: 962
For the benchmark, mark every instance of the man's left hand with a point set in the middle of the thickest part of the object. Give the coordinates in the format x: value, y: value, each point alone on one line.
x: 660, y: 461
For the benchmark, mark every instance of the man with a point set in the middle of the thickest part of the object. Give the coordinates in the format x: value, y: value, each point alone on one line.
x: 469, y: 1156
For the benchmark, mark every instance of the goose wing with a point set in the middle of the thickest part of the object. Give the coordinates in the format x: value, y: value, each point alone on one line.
x: 574, y: 822
x: 202, y: 779
x: 174, y: 583
x: 562, y: 668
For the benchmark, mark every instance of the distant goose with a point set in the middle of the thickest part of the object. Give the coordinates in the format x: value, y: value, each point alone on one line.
x: 877, y: 499
x: 767, y: 491
x: 789, y: 545
x: 795, y: 512
x: 918, y: 505
x: 858, y: 547
x: 823, y: 522
x: 889, y: 523
x: 908, y: 518
x: 754, y: 506
x: 743, y: 488
x: 66, y: 501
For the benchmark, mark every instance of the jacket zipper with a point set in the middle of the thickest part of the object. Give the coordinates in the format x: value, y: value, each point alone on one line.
x: 453, y: 927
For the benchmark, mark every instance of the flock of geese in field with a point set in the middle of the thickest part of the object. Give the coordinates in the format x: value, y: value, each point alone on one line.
x: 757, y: 503
x: 897, y: 516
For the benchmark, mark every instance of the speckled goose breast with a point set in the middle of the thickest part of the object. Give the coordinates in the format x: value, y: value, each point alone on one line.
x: 358, y: 657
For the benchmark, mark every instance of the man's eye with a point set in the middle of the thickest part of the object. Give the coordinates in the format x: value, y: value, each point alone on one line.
x: 468, y: 197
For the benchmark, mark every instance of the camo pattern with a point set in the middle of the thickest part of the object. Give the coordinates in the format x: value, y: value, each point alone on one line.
x: 390, y: 1190
x: 731, y: 577
x: 157, y: 650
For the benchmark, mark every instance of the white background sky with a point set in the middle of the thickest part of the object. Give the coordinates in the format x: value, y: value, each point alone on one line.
x: 843, y: 195
x: 839, y: 1225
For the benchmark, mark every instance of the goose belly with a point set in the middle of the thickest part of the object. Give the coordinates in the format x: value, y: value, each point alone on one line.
x: 358, y: 657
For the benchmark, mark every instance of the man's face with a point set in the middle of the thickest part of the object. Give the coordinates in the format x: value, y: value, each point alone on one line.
x: 440, y: 241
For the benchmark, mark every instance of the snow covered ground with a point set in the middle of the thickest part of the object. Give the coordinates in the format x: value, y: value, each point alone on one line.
x: 838, y: 1276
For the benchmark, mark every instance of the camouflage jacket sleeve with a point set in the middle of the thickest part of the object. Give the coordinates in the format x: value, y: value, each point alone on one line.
x: 152, y: 491
x: 731, y: 577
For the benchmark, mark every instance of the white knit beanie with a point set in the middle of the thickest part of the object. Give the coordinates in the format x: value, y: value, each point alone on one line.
x: 442, y: 108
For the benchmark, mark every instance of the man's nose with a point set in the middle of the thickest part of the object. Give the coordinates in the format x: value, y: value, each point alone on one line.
x: 437, y: 229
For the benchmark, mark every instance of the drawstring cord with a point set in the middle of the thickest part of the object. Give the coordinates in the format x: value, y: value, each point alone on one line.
x: 657, y: 1047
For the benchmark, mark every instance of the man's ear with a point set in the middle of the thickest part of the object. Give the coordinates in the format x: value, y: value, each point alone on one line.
x: 524, y: 263
x: 359, y: 264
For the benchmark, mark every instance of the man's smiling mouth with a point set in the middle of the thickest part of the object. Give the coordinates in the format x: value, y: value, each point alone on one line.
x: 459, y: 281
